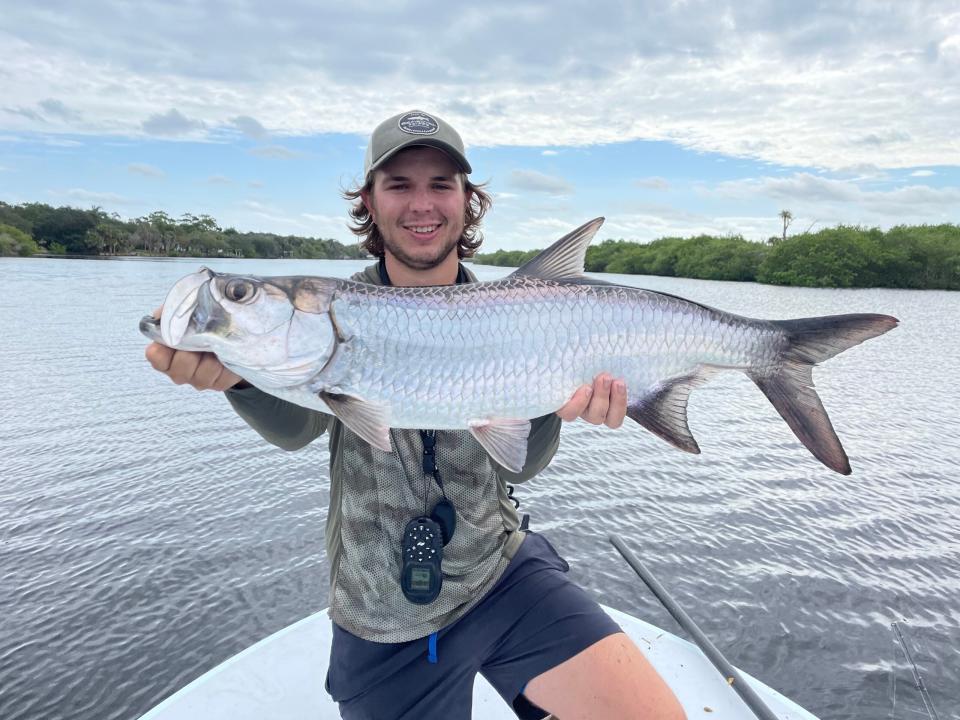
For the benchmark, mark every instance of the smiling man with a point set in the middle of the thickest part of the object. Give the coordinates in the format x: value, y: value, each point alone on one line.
x: 412, y: 631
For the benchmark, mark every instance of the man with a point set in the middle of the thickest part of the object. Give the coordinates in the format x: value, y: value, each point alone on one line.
x: 505, y: 607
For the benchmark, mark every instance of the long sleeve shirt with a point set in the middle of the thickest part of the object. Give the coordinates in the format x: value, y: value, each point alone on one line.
x: 374, y: 494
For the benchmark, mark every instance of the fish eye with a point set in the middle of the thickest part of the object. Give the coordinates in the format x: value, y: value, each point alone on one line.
x: 239, y: 290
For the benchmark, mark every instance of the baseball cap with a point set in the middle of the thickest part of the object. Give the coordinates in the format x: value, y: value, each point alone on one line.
x: 407, y: 129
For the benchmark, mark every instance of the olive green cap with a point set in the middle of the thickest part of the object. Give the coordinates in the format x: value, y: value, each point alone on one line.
x: 408, y: 129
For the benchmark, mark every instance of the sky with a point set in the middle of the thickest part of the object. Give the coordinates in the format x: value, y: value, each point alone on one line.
x: 667, y: 118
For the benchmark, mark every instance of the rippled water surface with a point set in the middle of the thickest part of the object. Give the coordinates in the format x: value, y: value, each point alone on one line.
x: 146, y: 533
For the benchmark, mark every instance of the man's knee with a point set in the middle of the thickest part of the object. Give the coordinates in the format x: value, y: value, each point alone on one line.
x: 611, y: 678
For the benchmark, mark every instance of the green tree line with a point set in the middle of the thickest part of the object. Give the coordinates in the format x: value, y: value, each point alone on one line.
x: 917, y: 256
x: 33, y: 228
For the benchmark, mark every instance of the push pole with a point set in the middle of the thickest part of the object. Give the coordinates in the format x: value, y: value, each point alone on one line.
x: 729, y: 672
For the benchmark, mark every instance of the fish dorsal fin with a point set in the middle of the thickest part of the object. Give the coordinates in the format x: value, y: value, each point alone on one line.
x: 663, y: 410
x: 366, y: 419
x: 565, y: 258
x: 504, y: 439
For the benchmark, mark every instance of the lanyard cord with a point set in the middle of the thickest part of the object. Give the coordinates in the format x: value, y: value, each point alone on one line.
x: 429, y: 438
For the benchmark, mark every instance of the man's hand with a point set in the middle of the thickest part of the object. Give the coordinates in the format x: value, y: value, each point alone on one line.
x: 202, y: 370
x: 603, y: 404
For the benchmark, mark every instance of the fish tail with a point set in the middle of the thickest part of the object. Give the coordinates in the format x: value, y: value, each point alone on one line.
x: 790, y: 385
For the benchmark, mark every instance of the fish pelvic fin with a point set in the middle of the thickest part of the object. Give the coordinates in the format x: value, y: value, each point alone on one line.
x: 505, y: 440
x: 368, y: 420
x: 790, y: 387
x: 663, y: 410
x: 565, y: 258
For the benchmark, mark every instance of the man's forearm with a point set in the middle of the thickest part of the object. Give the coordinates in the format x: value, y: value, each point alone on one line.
x: 279, y: 422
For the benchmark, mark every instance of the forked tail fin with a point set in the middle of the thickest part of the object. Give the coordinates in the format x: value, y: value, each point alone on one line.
x: 791, y: 390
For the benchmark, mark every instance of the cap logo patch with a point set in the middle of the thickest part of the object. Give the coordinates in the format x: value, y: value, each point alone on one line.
x: 418, y: 123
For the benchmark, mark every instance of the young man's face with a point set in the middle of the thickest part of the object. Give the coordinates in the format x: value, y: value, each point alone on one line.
x: 418, y: 203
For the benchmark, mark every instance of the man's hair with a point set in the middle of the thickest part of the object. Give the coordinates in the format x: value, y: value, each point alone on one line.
x: 364, y: 227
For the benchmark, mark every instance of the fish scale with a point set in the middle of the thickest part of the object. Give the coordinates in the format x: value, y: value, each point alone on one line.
x: 571, y: 333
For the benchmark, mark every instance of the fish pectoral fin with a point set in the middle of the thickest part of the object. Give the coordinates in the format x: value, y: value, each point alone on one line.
x: 565, y: 258
x: 368, y: 420
x: 663, y: 410
x: 504, y: 439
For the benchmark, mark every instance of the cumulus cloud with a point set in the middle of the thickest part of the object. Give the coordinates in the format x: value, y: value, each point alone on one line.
x: 56, y: 108
x: 538, y: 182
x: 666, y: 222
x: 171, y: 124
x: 843, y: 199
x: 26, y: 112
x: 783, y: 82
x: 146, y: 170
x: 922, y: 173
x: 249, y: 127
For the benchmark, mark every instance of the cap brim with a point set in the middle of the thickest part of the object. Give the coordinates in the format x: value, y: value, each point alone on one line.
x: 451, y: 151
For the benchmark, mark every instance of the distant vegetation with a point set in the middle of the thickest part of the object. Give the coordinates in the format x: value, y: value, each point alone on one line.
x: 38, y: 228
x: 920, y: 256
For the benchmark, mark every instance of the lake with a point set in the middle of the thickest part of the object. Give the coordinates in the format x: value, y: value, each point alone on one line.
x: 147, y: 534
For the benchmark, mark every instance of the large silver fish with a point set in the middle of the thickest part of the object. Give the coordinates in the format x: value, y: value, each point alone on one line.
x: 489, y: 356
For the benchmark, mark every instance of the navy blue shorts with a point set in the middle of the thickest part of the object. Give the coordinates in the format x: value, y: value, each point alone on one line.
x: 533, y: 619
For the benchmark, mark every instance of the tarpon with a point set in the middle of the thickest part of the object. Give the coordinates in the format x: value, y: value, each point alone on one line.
x: 489, y: 356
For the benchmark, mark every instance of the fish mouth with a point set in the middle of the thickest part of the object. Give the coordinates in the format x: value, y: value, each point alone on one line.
x: 150, y: 326
x: 178, y: 309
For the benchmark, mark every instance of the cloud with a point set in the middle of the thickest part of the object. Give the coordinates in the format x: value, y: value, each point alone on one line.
x: 845, y: 198
x: 259, y: 207
x: 653, y: 183
x: 276, y: 152
x: 56, y: 108
x: 670, y: 222
x: 219, y: 180
x: 538, y: 182
x: 788, y: 83
x: 255, y: 184
x: 170, y: 124
x: 274, y: 215
x: 884, y: 138
x: 249, y: 127
x: 92, y: 196
x: 27, y: 113
x: 145, y: 170
x: 463, y: 108
x: 922, y: 173
x: 325, y: 225
x: 549, y: 153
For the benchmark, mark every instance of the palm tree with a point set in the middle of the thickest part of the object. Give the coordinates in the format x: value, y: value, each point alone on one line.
x: 787, y: 218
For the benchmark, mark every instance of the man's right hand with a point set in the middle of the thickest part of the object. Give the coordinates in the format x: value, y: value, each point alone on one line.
x: 202, y: 370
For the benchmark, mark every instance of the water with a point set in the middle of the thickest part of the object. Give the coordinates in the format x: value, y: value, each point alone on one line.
x: 146, y: 533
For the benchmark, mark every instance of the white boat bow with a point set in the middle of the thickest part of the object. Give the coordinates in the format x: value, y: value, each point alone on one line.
x: 281, y: 678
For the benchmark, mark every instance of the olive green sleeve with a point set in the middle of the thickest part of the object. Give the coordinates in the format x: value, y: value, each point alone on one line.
x: 542, y: 445
x: 279, y: 422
